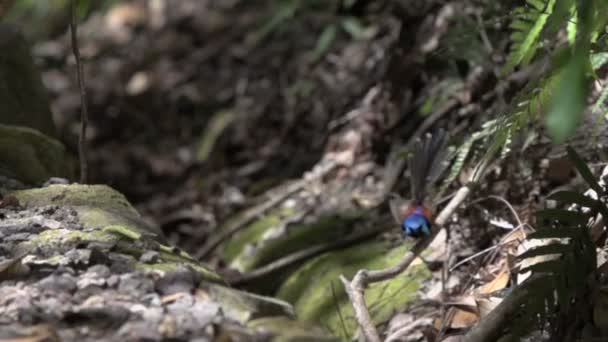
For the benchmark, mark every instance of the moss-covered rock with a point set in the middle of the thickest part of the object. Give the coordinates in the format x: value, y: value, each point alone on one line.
x: 104, y: 216
x: 100, y: 196
x: 52, y: 237
x: 98, y: 206
x: 30, y: 156
x: 318, y: 296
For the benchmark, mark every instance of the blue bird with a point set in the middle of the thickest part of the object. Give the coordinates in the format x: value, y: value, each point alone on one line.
x: 425, y: 164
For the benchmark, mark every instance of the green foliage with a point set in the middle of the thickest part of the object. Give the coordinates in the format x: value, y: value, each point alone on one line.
x: 558, y: 96
x: 324, y: 41
x: 569, y: 99
x: 285, y: 10
x: 560, y: 280
x: 463, y: 152
x: 527, y: 26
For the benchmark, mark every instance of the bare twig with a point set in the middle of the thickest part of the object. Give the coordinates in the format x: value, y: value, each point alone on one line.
x: 358, y: 299
x: 506, y: 203
x: 355, y: 289
x: 84, y: 113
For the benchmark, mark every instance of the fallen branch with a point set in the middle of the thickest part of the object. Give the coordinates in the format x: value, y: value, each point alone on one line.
x: 356, y: 288
x: 303, y: 255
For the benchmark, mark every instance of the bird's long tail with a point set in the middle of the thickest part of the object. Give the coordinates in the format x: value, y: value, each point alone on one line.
x: 426, y: 163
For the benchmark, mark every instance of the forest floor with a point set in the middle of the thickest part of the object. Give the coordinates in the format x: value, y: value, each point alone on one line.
x: 198, y: 108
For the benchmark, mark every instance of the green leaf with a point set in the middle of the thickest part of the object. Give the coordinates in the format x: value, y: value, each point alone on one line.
x: 286, y: 11
x: 599, y: 59
x: 554, y: 248
x: 216, y: 126
x: 355, y: 29
x: 568, y: 100
x: 574, y: 197
x: 583, y: 170
x: 324, y: 42
x: 524, y: 49
x: 562, y: 13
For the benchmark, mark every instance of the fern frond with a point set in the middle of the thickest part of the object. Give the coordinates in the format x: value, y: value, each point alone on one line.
x: 527, y: 26
x: 561, y: 279
x: 463, y: 152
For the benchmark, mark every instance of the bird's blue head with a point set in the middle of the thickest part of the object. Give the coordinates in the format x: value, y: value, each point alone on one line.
x: 416, y: 225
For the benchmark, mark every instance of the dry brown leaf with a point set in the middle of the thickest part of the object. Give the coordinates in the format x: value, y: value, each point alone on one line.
x: 516, y: 235
x: 463, y: 319
x: 499, y: 282
x: 467, y: 303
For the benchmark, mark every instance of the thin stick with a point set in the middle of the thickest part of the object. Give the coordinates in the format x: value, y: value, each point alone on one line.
x: 482, y: 252
x: 355, y: 289
x: 506, y: 203
x: 84, y: 114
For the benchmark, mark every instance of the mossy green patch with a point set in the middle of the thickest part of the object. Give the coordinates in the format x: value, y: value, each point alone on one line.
x: 170, y: 266
x: 98, y: 206
x: 98, y: 196
x: 123, y: 231
x: 298, y: 237
x: 184, y: 259
x: 267, y: 240
x: 177, y: 252
x: 318, y: 296
x: 252, y: 233
x: 30, y: 156
x: 64, y: 239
